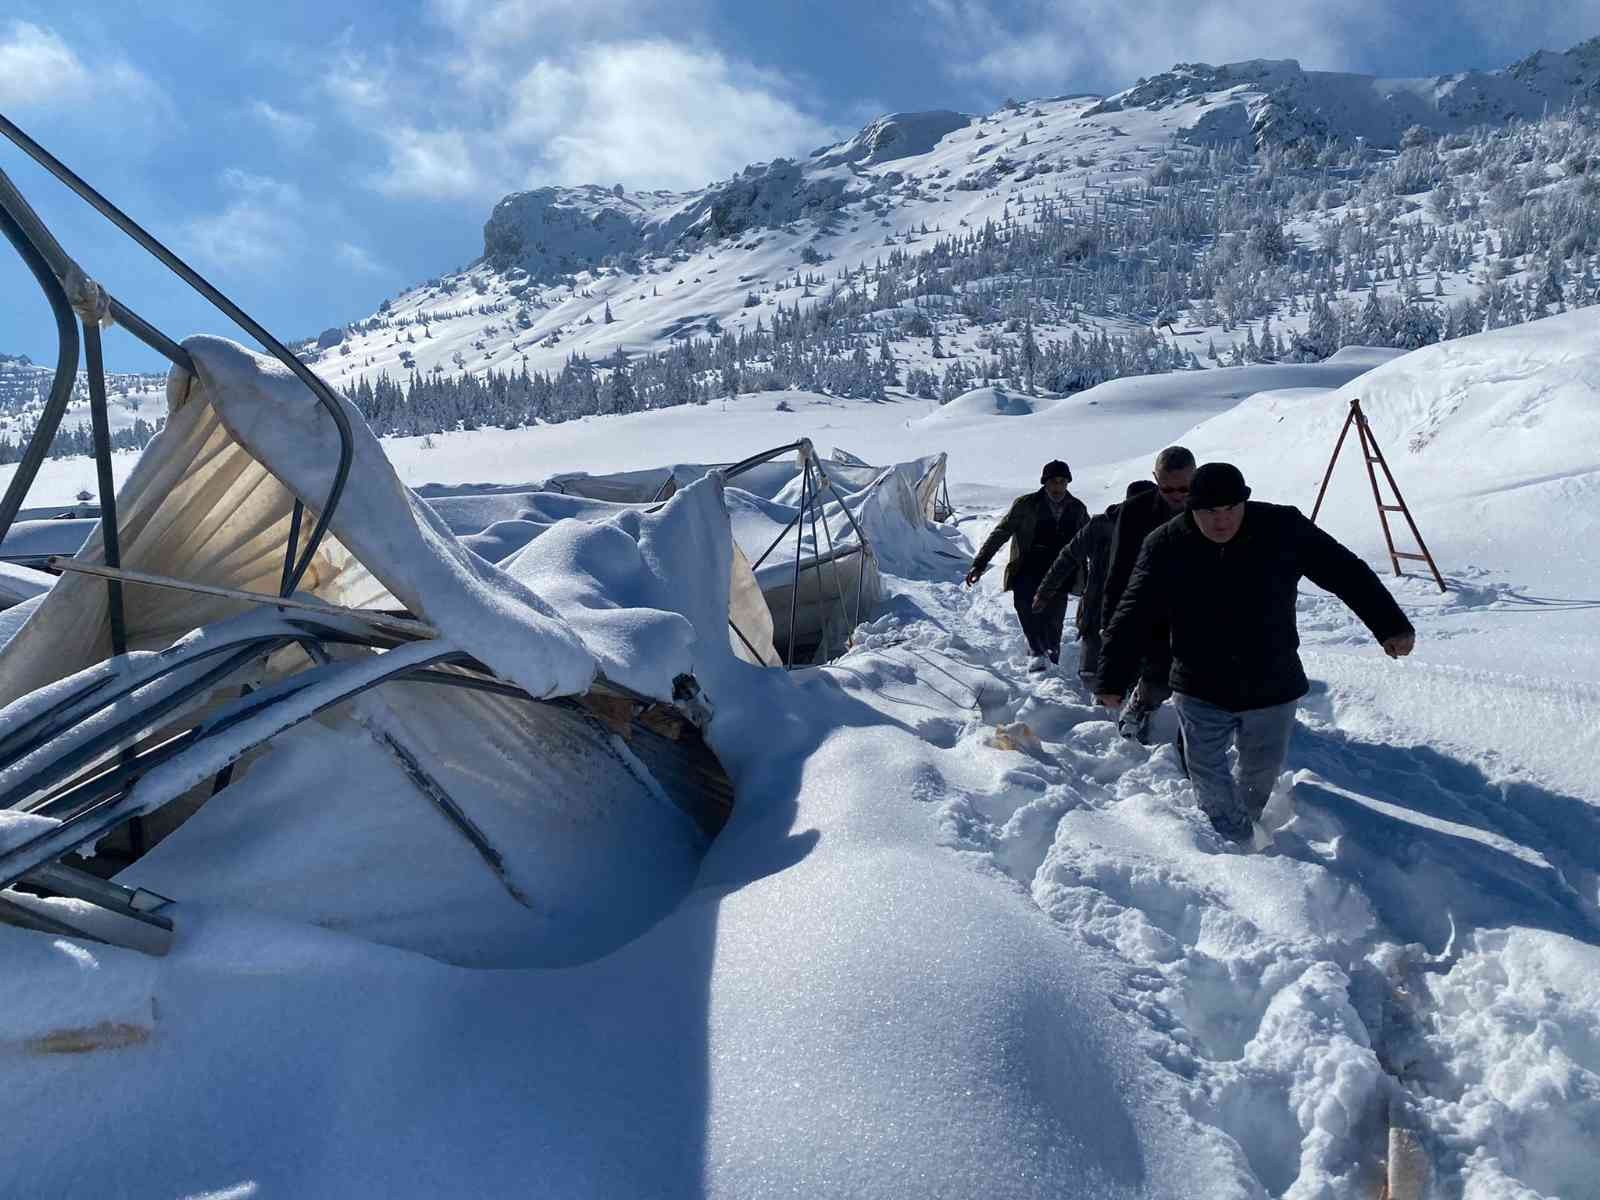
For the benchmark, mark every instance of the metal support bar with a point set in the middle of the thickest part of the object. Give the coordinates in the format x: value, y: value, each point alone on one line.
x: 44, y: 431
x: 109, y: 538
x: 73, y: 709
x: 1394, y: 487
x: 1328, y: 474
x: 101, y: 804
x: 838, y: 588
x: 405, y: 625
x: 80, y: 885
x: 740, y: 633
x: 146, y: 718
x: 26, y: 918
x: 147, y: 333
x: 799, y: 534
x: 66, y: 269
x: 286, y: 584
x: 775, y: 541
x: 1374, y: 456
x: 755, y: 460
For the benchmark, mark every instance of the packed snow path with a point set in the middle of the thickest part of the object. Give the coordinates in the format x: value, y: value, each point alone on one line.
x: 1416, y: 944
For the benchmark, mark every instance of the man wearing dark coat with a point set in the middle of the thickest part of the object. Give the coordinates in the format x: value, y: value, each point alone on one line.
x: 1037, y: 525
x: 1085, y: 559
x: 1136, y: 520
x: 1221, y: 580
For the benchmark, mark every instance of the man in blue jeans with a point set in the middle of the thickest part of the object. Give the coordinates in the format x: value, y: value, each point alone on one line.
x: 1222, y: 579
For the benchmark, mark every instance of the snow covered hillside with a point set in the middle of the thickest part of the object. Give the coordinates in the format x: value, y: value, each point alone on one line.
x: 136, y: 406
x: 1237, y: 214
x: 958, y: 937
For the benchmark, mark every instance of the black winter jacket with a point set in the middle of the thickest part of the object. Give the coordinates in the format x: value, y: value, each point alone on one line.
x: 1083, y: 561
x: 1137, y: 518
x: 1029, y: 525
x: 1231, y: 607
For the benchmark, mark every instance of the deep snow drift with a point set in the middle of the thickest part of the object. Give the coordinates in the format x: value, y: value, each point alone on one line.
x: 959, y: 938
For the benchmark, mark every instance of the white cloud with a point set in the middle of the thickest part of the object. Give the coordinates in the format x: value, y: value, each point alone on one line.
x: 260, y: 228
x: 39, y: 70
x: 357, y: 83
x: 655, y: 114
x: 292, y: 129
x: 646, y: 113
x: 1033, y: 46
x: 358, y: 259
x: 433, y: 164
x: 37, y: 67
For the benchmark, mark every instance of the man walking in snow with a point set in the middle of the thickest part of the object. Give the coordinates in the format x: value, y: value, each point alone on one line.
x: 1038, y: 525
x: 1220, y: 582
x: 1086, y: 558
x: 1138, y: 518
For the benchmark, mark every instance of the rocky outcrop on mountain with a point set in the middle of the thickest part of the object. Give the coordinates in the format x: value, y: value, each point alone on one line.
x: 555, y: 230
x: 895, y: 135
x: 1280, y: 103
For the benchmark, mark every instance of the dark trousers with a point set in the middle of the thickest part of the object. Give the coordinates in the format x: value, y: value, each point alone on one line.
x: 1233, y: 797
x: 1042, y: 629
x: 1089, y: 643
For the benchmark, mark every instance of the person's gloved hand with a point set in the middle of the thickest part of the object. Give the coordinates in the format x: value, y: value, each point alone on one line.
x: 1400, y: 645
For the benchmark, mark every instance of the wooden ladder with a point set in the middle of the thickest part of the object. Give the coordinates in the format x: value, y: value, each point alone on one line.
x: 1373, y: 455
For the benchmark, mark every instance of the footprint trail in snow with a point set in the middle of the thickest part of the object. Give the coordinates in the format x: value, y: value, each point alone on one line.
x: 1413, y: 942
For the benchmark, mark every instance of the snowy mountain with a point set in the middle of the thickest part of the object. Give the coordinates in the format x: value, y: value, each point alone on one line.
x: 1208, y: 216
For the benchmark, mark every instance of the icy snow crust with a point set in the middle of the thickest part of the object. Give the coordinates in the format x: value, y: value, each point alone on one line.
x: 959, y: 938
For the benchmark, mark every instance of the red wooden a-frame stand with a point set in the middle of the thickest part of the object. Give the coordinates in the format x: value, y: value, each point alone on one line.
x: 1370, y: 452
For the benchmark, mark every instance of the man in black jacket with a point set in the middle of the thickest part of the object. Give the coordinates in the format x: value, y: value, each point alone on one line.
x: 1223, y: 580
x: 1085, y: 559
x: 1038, y: 525
x: 1136, y: 520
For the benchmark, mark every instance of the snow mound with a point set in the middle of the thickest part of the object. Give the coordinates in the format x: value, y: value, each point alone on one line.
x: 986, y: 402
x: 1488, y: 437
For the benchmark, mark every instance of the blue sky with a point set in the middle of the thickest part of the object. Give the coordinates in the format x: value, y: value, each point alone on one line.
x: 313, y: 158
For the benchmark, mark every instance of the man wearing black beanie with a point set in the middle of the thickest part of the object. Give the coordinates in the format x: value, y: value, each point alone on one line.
x: 1038, y: 525
x: 1223, y: 579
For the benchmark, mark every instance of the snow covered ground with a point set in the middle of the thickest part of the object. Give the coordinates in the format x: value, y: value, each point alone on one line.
x: 959, y: 938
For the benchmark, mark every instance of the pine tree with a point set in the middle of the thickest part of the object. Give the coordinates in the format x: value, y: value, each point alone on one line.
x: 1373, y: 329
x: 1030, y: 356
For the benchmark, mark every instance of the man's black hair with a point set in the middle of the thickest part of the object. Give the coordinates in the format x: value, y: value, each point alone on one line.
x: 1175, y: 458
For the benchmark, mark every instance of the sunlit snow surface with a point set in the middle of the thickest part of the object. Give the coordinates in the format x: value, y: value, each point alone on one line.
x: 960, y: 939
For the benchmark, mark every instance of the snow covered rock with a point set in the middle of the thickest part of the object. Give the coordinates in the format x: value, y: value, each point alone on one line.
x: 892, y: 136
